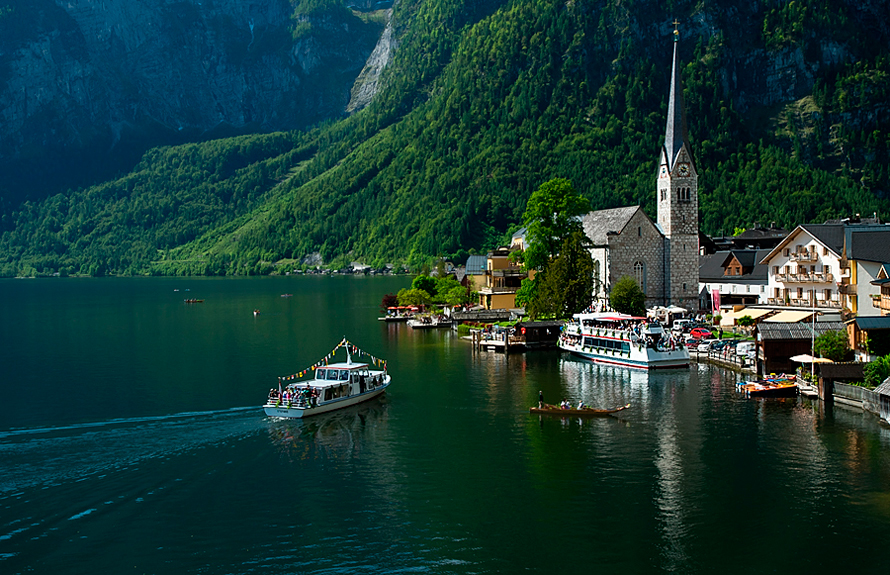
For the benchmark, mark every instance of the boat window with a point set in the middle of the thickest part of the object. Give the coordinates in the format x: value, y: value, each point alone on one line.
x: 344, y: 375
x: 319, y: 373
x: 328, y: 394
x: 588, y: 342
x: 332, y: 375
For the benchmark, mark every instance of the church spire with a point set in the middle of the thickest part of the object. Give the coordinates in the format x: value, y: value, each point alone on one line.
x: 675, y: 133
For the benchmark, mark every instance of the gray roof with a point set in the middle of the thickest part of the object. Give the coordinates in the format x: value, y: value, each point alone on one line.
x: 598, y: 224
x: 476, y: 265
x: 870, y: 245
x: 829, y: 234
x: 712, y: 266
x: 774, y: 331
x: 884, y: 388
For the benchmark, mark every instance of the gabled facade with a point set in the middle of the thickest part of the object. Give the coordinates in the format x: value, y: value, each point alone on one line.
x: 736, y: 275
x: 625, y: 242
x: 804, y: 269
x: 830, y: 265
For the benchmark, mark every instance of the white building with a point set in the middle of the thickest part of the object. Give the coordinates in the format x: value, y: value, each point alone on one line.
x: 829, y: 265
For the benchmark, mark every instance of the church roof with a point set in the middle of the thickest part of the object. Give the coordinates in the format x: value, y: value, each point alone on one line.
x: 675, y: 133
x: 598, y: 224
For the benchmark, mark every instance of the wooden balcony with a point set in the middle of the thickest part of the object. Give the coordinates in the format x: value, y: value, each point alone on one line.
x: 804, y: 257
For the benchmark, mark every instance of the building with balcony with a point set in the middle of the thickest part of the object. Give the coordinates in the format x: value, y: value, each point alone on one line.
x: 501, y: 279
x: 829, y: 265
x: 882, y: 300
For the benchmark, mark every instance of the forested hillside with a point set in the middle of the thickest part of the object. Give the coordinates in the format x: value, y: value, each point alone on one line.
x: 483, y: 101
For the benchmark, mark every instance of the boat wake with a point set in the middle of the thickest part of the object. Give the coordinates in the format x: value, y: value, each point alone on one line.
x: 55, y: 455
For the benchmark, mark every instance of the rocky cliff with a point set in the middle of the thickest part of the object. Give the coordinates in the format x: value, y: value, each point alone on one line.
x: 91, y: 75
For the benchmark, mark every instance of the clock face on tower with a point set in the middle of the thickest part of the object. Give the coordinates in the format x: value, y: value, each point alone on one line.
x: 683, y: 170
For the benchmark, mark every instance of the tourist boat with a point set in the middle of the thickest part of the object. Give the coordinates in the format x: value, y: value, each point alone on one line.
x: 574, y: 411
x: 778, y: 386
x: 623, y: 340
x: 193, y: 301
x: 331, y: 386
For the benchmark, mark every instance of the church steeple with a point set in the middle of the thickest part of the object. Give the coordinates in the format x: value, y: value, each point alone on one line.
x: 675, y: 133
x: 677, y: 189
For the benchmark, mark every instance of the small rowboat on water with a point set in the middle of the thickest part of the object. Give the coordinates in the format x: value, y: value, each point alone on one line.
x: 572, y: 412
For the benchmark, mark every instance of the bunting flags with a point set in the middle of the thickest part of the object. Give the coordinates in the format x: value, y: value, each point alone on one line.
x: 351, y: 348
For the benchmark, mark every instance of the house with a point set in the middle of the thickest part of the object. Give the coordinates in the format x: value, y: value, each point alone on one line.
x: 661, y: 256
x: 502, y: 278
x: 882, y: 283
x: 869, y: 337
x: 829, y: 265
x: 732, y: 278
x: 474, y: 272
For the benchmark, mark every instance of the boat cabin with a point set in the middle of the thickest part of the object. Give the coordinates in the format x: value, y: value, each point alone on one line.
x: 336, y: 381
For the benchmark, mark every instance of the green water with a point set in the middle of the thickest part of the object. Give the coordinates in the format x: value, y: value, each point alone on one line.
x: 131, y: 440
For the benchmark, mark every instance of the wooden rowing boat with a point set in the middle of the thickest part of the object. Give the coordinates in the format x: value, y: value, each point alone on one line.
x: 573, y: 412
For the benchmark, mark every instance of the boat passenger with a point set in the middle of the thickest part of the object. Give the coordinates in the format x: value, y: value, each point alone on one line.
x: 541, y: 399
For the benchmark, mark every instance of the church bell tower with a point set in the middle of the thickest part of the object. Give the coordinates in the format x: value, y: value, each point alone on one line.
x: 677, y: 189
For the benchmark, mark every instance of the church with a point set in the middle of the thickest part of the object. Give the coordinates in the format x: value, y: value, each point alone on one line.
x: 661, y: 256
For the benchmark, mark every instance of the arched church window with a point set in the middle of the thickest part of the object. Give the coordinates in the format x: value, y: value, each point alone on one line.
x: 640, y: 275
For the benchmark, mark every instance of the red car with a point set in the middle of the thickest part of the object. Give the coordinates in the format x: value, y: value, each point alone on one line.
x: 700, y: 333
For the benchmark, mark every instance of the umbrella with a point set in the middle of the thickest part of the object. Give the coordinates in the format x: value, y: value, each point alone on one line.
x: 806, y: 358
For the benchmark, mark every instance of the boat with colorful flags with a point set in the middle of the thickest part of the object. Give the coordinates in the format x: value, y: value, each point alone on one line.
x: 326, y: 386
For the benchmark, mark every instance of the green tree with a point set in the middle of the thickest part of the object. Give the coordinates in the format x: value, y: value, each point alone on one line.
x: 627, y: 297
x: 551, y: 216
x: 832, y: 345
x: 877, y: 371
x: 414, y: 297
x: 526, y: 293
x: 425, y: 283
x: 567, y: 284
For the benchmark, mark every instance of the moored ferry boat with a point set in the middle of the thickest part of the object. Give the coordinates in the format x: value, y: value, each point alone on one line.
x: 331, y: 386
x: 624, y: 340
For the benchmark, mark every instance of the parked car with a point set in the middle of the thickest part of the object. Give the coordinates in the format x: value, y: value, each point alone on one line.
x: 718, y: 345
x: 701, y: 333
x: 705, y: 345
x: 746, y: 349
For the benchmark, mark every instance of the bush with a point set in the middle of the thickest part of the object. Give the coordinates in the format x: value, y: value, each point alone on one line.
x: 877, y: 371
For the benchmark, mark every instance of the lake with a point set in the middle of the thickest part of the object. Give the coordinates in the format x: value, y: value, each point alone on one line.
x: 132, y: 440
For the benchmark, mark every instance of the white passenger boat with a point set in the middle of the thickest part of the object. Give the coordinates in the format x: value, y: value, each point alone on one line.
x: 330, y: 386
x: 620, y: 339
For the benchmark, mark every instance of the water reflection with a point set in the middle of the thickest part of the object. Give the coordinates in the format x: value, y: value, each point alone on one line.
x: 340, y: 435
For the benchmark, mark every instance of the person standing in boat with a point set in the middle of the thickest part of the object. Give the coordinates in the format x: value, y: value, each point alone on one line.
x: 541, y: 399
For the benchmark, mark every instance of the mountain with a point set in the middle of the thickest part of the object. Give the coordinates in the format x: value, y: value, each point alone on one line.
x: 92, y: 85
x: 467, y: 107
